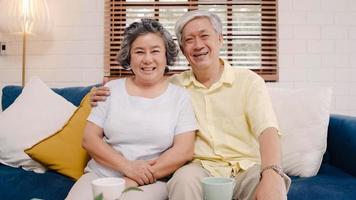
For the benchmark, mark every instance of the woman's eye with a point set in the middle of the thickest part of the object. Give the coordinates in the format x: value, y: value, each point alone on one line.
x: 188, y: 40
x: 139, y: 52
x: 205, y: 36
x: 155, y: 51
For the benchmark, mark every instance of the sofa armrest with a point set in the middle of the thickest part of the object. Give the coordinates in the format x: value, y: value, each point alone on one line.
x: 342, y: 142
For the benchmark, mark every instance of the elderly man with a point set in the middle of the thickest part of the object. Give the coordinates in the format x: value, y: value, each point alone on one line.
x: 238, y: 132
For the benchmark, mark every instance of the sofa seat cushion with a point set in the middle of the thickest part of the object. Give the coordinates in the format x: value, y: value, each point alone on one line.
x: 16, y: 183
x: 329, y: 183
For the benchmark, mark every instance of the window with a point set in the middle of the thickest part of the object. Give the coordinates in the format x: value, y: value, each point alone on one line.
x: 249, y: 29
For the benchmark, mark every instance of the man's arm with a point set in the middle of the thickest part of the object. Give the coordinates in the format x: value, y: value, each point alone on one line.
x: 272, y: 185
x: 270, y: 148
x: 99, y: 94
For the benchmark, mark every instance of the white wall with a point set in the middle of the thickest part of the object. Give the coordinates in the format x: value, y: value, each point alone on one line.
x: 317, y: 47
x: 71, y: 54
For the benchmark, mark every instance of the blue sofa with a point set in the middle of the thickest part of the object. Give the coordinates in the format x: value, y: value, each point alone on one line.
x: 18, y: 184
x: 336, y: 178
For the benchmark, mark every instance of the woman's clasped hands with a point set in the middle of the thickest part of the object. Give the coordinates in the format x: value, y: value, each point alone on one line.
x: 139, y: 171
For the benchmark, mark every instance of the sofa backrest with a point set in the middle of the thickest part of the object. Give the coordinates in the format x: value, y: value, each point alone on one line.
x: 341, y: 151
x: 72, y: 94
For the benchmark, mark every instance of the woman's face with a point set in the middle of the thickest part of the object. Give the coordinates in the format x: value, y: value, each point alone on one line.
x: 148, y: 58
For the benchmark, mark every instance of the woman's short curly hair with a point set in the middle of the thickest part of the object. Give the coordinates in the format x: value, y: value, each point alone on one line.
x: 143, y: 27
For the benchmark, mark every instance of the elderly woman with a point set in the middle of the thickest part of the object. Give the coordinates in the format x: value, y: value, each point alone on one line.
x: 145, y: 130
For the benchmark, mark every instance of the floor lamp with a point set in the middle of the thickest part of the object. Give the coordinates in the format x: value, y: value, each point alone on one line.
x: 24, y: 17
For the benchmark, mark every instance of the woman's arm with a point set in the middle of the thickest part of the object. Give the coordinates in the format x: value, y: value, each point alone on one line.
x: 139, y: 170
x: 176, y: 156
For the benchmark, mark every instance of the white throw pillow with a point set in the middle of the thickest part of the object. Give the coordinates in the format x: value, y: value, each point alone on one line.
x: 303, y: 116
x: 37, y: 113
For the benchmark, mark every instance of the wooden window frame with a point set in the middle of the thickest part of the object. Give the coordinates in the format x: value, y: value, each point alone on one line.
x: 267, y: 61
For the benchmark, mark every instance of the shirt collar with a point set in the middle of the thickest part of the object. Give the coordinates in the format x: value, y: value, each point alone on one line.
x: 189, y: 78
x: 226, y: 77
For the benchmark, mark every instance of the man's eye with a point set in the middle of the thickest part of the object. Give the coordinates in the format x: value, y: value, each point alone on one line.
x: 138, y: 52
x: 156, y: 51
x: 205, y: 36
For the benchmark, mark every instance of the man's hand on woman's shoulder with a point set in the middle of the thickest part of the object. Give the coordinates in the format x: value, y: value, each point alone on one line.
x: 99, y: 94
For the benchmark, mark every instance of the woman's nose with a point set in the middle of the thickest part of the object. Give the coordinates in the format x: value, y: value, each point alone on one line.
x: 147, y: 58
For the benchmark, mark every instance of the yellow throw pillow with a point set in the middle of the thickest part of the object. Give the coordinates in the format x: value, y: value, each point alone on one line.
x: 62, y: 152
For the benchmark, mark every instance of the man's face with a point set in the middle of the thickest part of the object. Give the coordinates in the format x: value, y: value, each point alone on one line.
x: 201, y: 43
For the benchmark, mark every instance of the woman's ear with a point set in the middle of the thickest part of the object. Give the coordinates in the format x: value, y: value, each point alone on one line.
x: 221, y: 40
x: 182, y: 50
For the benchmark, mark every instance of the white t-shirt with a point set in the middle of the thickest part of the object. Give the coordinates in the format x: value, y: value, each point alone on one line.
x: 141, y: 128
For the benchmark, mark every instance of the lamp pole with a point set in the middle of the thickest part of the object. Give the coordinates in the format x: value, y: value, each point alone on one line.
x: 23, y: 58
x: 25, y: 17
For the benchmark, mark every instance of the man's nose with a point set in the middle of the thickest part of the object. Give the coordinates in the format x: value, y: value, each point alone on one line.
x: 198, y: 43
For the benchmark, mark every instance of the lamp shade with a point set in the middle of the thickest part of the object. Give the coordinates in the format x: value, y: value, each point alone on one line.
x: 24, y: 16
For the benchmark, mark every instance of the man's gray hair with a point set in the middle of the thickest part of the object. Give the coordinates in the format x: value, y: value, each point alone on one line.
x: 187, y: 17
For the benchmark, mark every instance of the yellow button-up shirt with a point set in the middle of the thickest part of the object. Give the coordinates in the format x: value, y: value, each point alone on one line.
x: 231, y: 114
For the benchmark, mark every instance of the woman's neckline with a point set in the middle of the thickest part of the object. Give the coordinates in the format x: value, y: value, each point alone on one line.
x: 159, y: 95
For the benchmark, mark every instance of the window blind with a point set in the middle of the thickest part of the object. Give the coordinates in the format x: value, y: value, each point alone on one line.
x: 249, y: 30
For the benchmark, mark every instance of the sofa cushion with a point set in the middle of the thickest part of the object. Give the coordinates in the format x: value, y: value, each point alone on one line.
x: 303, y: 116
x: 72, y: 94
x: 330, y: 183
x: 62, y: 152
x: 30, y: 119
x: 9, y: 94
x: 16, y: 183
x: 342, y: 143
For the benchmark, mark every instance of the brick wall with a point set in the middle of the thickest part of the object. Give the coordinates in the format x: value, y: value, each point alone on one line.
x: 317, y: 47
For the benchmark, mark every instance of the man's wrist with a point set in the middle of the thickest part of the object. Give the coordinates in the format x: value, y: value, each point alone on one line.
x: 275, y: 168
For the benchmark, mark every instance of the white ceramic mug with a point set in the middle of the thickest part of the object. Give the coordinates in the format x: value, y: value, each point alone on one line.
x: 110, y: 187
x: 218, y: 188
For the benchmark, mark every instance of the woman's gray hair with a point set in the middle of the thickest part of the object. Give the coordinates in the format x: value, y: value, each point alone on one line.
x: 187, y: 17
x: 143, y: 27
